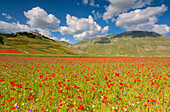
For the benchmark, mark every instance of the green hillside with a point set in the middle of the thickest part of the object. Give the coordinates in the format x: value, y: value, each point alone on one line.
x: 64, y: 43
x: 135, y: 43
x: 27, y: 43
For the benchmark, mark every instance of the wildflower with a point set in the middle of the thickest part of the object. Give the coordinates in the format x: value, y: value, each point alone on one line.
x: 104, y: 97
x: 60, y: 104
x: 31, y: 96
x: 2, y: 104
x: 81, y: 107
x: 120, y: 99
x: 57, y: 107
x: 11, y: 99
x: 79, y: 97
x: 13, y: 108
x: 51, y: 98
x: 71, y: 105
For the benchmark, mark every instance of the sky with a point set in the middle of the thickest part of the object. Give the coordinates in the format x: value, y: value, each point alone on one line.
x: 75, y: 20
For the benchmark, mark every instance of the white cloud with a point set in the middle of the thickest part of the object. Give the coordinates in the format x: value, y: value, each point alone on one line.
x: 96, y: 14
x: 80, y: 28
x: 38, y: 18
x: 105, y: 29
x: 64, y: 39
x: 162, y: 29
x: 119, y: 6
x: 143, y: 20
x: 91, y: 3
x: 47, y: 33
x: 13, y: 27
x: 7, y: 16
x: 85, y: 2
x: 42, y: 21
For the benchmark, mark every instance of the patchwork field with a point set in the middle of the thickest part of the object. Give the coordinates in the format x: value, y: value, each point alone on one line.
x: 84, y: 84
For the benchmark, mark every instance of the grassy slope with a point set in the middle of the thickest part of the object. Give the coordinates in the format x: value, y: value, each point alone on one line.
x: 39, y: 44
x: 147, y: 46
x: 64, y: 43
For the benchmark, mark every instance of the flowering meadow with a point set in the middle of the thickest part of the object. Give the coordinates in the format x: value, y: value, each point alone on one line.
x: 84, y: 84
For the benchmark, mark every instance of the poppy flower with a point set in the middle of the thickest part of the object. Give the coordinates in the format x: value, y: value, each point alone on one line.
x: 11, y: 99
x: 81, y: 107
x: 2, y: 104
x: 120, y: 99
x: 79, y: 97
x: 71, y: 105
x: 31, y: 96
x: 13, y: 108
x: 51, y: 98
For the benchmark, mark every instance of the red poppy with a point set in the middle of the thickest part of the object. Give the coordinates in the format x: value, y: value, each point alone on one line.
x: 79, y: 97
x: 60, y: 91
x: 2, y: 104
x: 11, y: 99
x: 13, y: 108
x: 31, y: 96
x: 71, y: 105
x: 81, y: 107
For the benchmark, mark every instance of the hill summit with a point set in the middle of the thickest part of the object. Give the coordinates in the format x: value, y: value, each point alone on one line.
x: 135, y: 34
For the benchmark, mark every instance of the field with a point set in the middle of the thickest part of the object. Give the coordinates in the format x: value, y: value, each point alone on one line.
x: 84, y: 84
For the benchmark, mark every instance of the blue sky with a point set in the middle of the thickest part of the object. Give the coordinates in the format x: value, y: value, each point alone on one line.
x: 74, y: 20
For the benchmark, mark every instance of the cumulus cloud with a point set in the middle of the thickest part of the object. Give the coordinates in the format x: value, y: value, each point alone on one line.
x: 45, y: 23
x: 143, y: 20
x: 38, y: 18
x: 80, y: 28
x: 7, y: 16
x: 120, y: 6
x: 64, y: 39
x: 13, y: 27
x: 105, y: 29
x: 90, y: 2
x: 162, y: 29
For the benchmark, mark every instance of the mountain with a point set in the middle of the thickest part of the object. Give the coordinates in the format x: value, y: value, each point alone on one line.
x: 64, y: 43
x: 33, y: 43
x: 137, y: 34
x: 133, y: 43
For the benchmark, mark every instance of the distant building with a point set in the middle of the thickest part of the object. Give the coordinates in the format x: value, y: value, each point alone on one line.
x: 36, y: 34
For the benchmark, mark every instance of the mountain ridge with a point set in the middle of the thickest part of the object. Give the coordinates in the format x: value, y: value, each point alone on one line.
x: 133, y: 43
